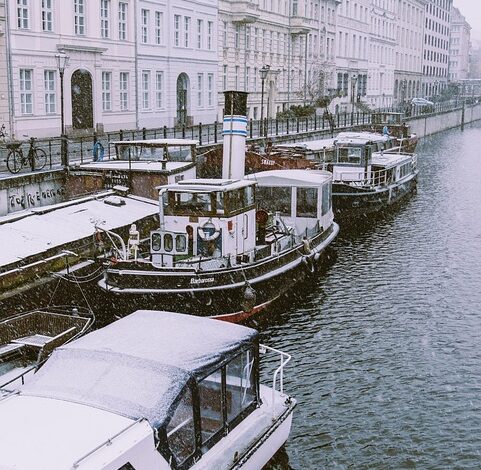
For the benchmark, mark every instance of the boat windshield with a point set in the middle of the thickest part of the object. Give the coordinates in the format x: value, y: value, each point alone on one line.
x: 185, y: 203
x: 349, y: 155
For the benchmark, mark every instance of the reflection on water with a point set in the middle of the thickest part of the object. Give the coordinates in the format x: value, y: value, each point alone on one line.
x: 386, y: 344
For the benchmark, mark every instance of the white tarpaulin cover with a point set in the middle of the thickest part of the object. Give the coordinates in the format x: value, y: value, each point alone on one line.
x: 137, y: 366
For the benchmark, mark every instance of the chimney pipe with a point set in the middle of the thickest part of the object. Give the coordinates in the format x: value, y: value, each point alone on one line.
x: 234, y: 133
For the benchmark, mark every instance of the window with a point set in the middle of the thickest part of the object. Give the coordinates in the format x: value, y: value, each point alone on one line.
x: 177, y: 30
x: 210, y: 32
x: 306, y: 202
x: 326, y: 199
x: 49, y: 85
x: 237, y: 36
x: 47, y: 15
x: 200, y: 89
x: 236, y: 77
x: 224, y: 34
x: 123, y: 21
x: 210, y: 398
x: 26, y: 97
x: 180, y: 430
x: 79, y: 18
x: 186, y: 31
x: 106, y: 91
x: 104, y: 18
x: 247, y: 82
x: 159, y: 89
x: 275, y: 199
x: 224, y: 77
x: 200, y: 33
x: 210, y: 89
x: 22, y: 14
x: 144, y: 34
x: 159, y: 19
x: 124, y: 91
x: 145, y: 89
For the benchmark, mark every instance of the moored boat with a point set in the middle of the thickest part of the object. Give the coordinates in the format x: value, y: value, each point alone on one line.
x: 152, y: 391
x: 27, y: 339
x: 215, y: 253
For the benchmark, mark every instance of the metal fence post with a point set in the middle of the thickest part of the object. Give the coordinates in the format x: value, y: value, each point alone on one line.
x: 200, y: 133
x: 183, y: 131
x: 121, y: 134
x: 250, y: 128
x: 165, y: 132
x: 215, y: 131
x: 287, y: 124
x: 144, y: 133
x: 64, y: 151
x: 277, y: 126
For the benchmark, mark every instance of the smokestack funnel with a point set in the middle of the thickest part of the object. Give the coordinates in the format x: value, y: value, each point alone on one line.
x: 234, y: 132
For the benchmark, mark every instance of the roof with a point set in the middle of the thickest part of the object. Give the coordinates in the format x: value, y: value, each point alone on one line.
x: 207, y: 185
x: 388, y: 160
x: 361, y: 137
x: 313, y: 145
x: 137, y: 366
x: 37, y: 230
x: 138, y: 165
x: 160, y: 142
x: 298, y: 178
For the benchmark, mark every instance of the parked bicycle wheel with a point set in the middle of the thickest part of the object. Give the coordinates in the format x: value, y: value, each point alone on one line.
x: 40, y: 159
x: 14, y: 161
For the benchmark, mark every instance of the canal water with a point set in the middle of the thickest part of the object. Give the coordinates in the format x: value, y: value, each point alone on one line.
x: 386, y: 344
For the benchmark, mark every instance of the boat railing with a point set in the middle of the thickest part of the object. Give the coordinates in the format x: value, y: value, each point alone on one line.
x: 278, y: 376
x: 21, y: 376
x: 107, y: 442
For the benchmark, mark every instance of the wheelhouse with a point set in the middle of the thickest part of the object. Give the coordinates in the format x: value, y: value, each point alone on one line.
x: 158, y: 150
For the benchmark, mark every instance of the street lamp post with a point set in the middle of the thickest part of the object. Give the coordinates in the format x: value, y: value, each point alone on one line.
x: 263, y: 71
x: 62, y: 64
x: 353, y: 89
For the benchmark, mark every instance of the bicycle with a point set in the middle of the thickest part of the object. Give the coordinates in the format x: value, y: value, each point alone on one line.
x: 16, y: 159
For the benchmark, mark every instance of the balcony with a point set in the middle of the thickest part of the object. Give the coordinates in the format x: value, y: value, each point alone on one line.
x: 244, y: 11
x: 301, y: 25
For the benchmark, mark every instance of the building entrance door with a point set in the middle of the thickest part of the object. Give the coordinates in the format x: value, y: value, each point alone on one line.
x: 182, y: 85
x: 82, y: 102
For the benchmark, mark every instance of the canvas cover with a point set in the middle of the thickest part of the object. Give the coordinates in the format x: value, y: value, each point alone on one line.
x: 138, y: 366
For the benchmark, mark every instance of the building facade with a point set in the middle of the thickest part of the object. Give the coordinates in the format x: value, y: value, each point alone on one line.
x: 436, y: 47
x: 460, y: 45
x: 408, y: 73
x: 4, y: 100
x: 130, y: 64
x: 292, y: 40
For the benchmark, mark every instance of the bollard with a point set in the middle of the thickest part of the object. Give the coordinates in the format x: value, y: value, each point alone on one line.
x: 64, y: 151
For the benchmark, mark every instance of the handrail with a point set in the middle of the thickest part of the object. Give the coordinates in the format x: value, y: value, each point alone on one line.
x: 107, y: 442
x: 285, y: 358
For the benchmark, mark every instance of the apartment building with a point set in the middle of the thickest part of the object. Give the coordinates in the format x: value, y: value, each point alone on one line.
x: 459, y: 45
x: 4, y: 101
x: 408, y: 72
x: 130, y: 64
x: 436, y: 46
x: 292, y: 41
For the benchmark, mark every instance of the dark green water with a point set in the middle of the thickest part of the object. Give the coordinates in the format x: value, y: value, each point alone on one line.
x: 386, y: 344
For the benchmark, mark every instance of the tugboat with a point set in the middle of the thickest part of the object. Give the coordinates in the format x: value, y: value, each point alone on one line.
x: 215, y: 253
x: 152, y: 391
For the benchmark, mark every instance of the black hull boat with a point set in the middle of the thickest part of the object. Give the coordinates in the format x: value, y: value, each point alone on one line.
x: 228, y: 293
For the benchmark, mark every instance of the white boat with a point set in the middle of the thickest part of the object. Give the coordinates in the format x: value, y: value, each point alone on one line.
x: 152, y: 391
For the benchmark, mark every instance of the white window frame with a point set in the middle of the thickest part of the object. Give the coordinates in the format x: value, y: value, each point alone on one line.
x: 26, y: 91
x: 144, y: 28
x: 47, y: 15
x: 200, y: 90
x: 23, y: 14
x: 159, y: 27
x: 210, y: 89
x: 105, y: 18
x: 159, y: 89
x: 49, y: 81
x: 123, y: 15
x: 186, y: 31
x: 177, y: 28
x: 210, y: 33
x: 79, y: 17
x: 107, y: 91
x: 146, y: 90
x: 224, y: 78
x: 200, y: 33
x: 124, y: 90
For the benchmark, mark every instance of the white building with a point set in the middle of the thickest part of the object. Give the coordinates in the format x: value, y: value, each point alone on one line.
x: 436, y: 46
x: 460, y: 45
x: 408, y: 72
x: 125, y: 67
x: 294, y: 39
x: 4, y: 110
x: 352, y: 53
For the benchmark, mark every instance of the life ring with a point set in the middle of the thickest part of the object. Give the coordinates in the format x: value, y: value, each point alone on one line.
x: 309, y: 264
x: 207, y: 235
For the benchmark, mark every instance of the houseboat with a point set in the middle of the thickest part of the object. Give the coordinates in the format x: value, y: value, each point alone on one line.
x: 397, y: 128
x: 228, y: 247
x: 152, y: 391
x: 27, y: 339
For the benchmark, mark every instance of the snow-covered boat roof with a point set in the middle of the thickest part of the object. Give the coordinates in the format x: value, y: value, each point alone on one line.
x: 137, y: 366
x: 389, y: 160
x: 298, y: 178
x: 35, y: 231
x: 207, y: 185
x: 361, y: 137
x: 138, y: 165
x: 161, y: 142
x: 313, y: 145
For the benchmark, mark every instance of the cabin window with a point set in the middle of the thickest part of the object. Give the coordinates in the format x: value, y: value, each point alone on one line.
x: 188, y: 203
x: 326, y: 199
x: 249, y: 195
x: 219, y: 201
x: 180, y: 430
x: 168, y: 242
x: 235, y: 200
x: 240, y: 384
x: 180, y: 243
x: 350, y: 155
x: 306, y: 202
x: 211, y: 415
x: 275, y: 199
x: 156, y: 241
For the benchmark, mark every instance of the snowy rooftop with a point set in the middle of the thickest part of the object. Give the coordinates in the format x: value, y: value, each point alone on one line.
x: 148, y: 166
x: 161, y: 142
x: 35, y: 231
x: 137, y: 366
x: 207, y: 185
x: 285, y: 178
x: 313, y: 145
x: 388, y: 160
x: 361, y: 137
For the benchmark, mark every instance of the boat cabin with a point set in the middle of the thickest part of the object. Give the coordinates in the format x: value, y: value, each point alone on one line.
x: 154, y: 390
x: 394, y: 121
x: 205, y: 218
